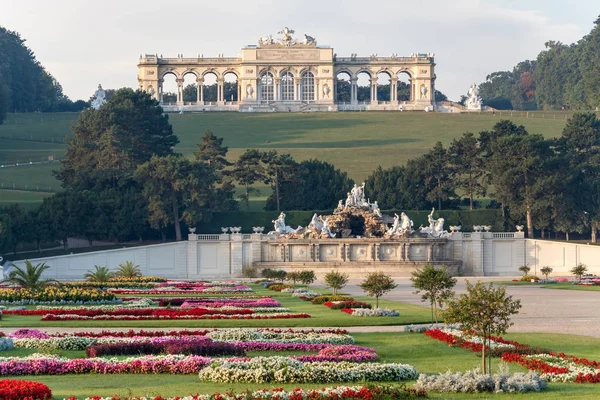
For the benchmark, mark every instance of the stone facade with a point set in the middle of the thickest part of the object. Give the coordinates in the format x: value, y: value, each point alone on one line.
x: 289, y: 76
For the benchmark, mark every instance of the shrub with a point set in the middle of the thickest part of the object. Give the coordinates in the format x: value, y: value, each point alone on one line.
x: 347, y: 304
x: 546, y: 271
x: 279, y: 287
x: 528, y: 278
x: 579, y: 270
x: 525, y: 269
x: 307, y: 277
x: 293, y: 277
x: 250, y: 272
x: 325, y: 299
x: 475, y: 382
x: 6, y: 344
x: 336, y: 280
x: 13, y: 389
x: 99, y: 275
x: 376, y: 284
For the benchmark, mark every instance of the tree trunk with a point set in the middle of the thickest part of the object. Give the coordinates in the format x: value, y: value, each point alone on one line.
x: 39, y: 246
x: 529, y: 222
x: 163, y: 236
x: 176, y: 220
x: 483, y: 366
x: 439, y: 195
x: 277, y: 189
x: 471, y: 201
x: 247, y: 198
x: 593, y: 234
x: 542, y: 233
x: 567, y: 236
x: 435, y: 311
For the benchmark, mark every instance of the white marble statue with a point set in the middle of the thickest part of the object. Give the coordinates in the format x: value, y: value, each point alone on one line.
x: 287, y: 39
x: 250, y: 91
x: 376, y: 210
x: 315, y: 223
x: 423, y: 91
x: 340, y: 205
x: 99, y: 98
x: 266, y: 40
x: 435, y: 228
x: 349, y: 200
x: 281, y: 228
x: 473, y: 100
x: 326, y: 230
x: 406, y: 224
x: 309, y: 40
x: 395, y: 230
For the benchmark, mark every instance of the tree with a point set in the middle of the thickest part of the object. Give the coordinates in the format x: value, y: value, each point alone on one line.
x: 128, y: 269
x: 336, y: 280
x: 279, y: 168
x: 28, y: 277
x: 176, y: 189
x: 376, y: 284
x: 293, y: 276
x: 579, y: 270
x: 108, y: 144
x: 464, y: 158
x: 17, y: 225
x: 100, y: 274
x: 525, y: 269
x: 437, y: 285
x: 438, y: 177
x: 307, y: 277
x: 247, y: 170
x: 486, y: 310
x: 313, y: 185
x: 4, y: 99
x: 546, y: 271
x: 212, y: 151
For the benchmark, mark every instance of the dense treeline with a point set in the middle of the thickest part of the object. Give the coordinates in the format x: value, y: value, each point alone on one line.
x: 123, y: 181
x: 561, y: 76
x: 24, y: 83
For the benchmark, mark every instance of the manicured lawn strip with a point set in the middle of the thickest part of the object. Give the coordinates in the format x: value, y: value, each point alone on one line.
x: 560, y: 286
x: 423, y: 353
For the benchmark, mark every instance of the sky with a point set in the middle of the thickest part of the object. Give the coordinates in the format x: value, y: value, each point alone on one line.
x: 83, y: 43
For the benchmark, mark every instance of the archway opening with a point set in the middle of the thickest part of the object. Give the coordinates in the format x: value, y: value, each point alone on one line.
x: 383, y: 86
x: 230, y: 87
x: 404, y: 89
x: 287, y: 86
x: 209, y: 87
x: 343, y: 87
x: 266, y: 87
x: 363, y: 90
x: 169, y: 88
x: 190, y: 88
x: 307, y: 86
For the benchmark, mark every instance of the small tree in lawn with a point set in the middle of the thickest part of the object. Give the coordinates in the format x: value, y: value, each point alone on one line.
x: 546, y: 271
x: 293, y: 276
x: 437, y: 285
x: 377, y: 284
x: 307, y: 277
x: 486, y: 310
x: 336, y: 280
x: 525, y: 269
x: 579, y: 270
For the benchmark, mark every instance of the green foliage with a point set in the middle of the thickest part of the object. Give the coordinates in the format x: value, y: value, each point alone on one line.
x: 247, y: 170
x: 99, y: 274
x: 250, y: 272
x: 484, y: 309
x: 579, y: 270
x: 511, y: 89
x: 307, y: 277
x: 335, y: 280
x: 436, y: 285
x: 275, y: 274
x: 376, y: 284
x: 311, y: 185
x: 128, y: 269
x: 28, y: 277
x: 525, y: 269
x: 529, y: 278
x: 293, y: 276
x: 466, y: 163
x: 546, y: 271
x: 4, y: 99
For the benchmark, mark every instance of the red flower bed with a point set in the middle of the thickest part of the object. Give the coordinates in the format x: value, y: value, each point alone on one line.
x: 536, y: 365
x: 84, y: 312
x: 52, y: 317
x: 14, y: 389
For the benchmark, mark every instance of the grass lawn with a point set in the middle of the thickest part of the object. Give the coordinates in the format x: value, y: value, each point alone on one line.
x: 374, y: 138
x: 425, y: 354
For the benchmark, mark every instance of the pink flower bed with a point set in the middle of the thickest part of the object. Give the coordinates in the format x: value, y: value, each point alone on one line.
x: 198, y: 289
x: 242, y: 303
x: 68, y: 317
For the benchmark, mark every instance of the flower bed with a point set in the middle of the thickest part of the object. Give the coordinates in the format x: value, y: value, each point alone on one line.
x: 174, y: 290
x: 339, y: 305
x: 287, y: 370
x: 53, y: 294
x: 171, y: 316
x: 35, y: 333
x: 475, y: 382
x: 331, y: 336
x: 325, y: 299
x: 331, y: 393
x: 39, y: 364
x: 201, y: 346
x: 367, y: 312
x: 13, y: 389
x: 246, y: 303
x: 90, y: 312
x: 6, y: 344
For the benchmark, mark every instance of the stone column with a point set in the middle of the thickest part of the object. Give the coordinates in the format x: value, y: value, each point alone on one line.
x: 317, y: 87
x: 160, y: 90
x: 354, y: 91
x: 394, y: 90
x: 199, y: 83
x: 317, y: 253
x: 377, y: 252
x: 374, y: 90
x: 403, y: 252
x: 179, y: 91
x: 342, y: 252
x: 407, y: 257
x: 220, y: 91
x: 430, y: 252
x: 236, y: 266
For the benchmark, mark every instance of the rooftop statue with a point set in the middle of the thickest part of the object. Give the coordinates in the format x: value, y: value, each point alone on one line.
x: 473, y: 99
x: 100, y: 98
x: 281, y: 228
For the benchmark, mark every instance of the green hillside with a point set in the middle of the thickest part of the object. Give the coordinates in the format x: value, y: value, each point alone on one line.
x: 354, y: 142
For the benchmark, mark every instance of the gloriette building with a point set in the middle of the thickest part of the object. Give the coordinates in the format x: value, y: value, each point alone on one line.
x: 290, y: 74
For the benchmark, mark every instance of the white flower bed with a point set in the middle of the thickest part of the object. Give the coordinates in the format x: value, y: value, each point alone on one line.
x: 574, y: 368
x: 286, y: 370
x: 475, y: 382
x: 62, y: 343
x: 142, y: 303
x: 253, y: 335
x: 476, y: 339
x: 376, y: 312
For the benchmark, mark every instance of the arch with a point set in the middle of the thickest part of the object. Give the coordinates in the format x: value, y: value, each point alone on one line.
x: 190, y: 71
x: 210, y: 78
x: 364, y: 90
x: 307, y: 85
x: 384, y: 85
x: 287, y: 86
x: 343, y: 87
x: 189, y: 87
x: 231, y: 71
x: 168, y: 89
x: 169, y: 71
x: 266, y: 87
x: 230, y: 86
x: 404, y: 86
